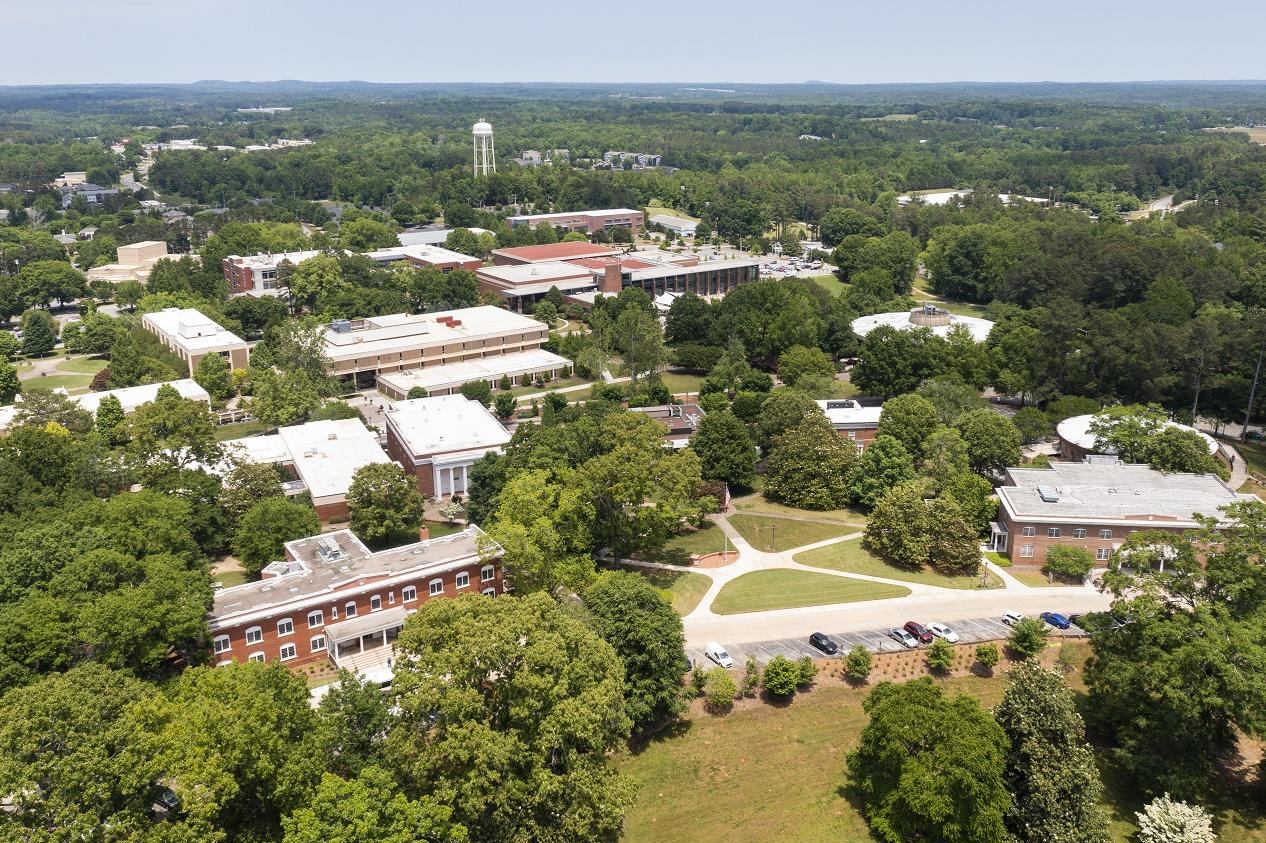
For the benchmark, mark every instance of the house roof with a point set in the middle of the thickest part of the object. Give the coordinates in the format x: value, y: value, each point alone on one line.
x: 445, y: 423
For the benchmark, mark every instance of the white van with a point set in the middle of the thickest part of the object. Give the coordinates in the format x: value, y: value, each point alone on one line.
x: 717, y: 653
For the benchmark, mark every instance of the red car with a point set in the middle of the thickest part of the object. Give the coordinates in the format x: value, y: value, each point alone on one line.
x: 918, y: 631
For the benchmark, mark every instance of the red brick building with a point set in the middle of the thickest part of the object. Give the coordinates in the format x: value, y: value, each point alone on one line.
x: 438, y: 440
x: 589, y: 222
x: 852, y: 420
x: 333, y: 598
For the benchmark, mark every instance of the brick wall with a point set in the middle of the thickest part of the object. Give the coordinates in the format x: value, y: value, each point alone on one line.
x: 1041, y: 540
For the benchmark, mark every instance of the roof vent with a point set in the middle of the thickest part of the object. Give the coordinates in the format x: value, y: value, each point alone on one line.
x: 1048, y: 493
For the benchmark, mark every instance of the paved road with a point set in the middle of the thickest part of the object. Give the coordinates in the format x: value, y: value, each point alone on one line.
x: 946, y: 605
x: 970, y: 631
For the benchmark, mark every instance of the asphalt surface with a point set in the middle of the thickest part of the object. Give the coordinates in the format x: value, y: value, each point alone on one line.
x: 972, y: 631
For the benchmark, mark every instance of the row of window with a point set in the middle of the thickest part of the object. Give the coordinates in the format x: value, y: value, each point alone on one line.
x: 1054, y: 532
x: 316, y: 618
x: 1102, y: 554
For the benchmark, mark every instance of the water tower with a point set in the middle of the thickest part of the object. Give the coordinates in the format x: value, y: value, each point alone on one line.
x: 485, y: 149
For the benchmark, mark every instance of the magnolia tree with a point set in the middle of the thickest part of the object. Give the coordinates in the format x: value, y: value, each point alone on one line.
x: 1166, y: 820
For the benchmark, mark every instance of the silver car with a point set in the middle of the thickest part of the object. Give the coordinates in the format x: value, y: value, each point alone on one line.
x: 903, y: 638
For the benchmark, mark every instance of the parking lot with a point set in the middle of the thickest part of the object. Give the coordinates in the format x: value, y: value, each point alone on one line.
x: 969, y: 631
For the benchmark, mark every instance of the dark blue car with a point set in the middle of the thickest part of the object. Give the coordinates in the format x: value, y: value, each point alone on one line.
x: 1056, y: 620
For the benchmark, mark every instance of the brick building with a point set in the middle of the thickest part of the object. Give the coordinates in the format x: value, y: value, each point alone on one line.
x: 680, y: 421
x: 1096, y: 504
x: 589, y: 222
x: 547, y: 252
x: 190, y: 335
x: 438, y: 440
x: 257, y: 274
x: 333, y: 598
x: 851, y: 420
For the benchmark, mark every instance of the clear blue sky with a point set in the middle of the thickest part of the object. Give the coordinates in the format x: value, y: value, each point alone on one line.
x: 847, y: 41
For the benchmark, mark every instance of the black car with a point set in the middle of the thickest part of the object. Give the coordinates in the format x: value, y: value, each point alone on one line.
x: 824, y: 643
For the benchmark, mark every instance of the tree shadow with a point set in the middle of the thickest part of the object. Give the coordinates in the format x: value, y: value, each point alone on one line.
x: 670, y: 731
x: 776, y: 701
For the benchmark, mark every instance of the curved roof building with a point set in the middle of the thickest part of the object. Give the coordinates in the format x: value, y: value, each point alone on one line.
x: 1076, y: 441
x: 935, y: 319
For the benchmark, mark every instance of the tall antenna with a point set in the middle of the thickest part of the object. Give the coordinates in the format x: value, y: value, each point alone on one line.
x: 485, y: 159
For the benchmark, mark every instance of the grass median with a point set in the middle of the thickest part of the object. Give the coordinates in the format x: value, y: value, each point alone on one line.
x: 851, y: 558
x: 762, y: 591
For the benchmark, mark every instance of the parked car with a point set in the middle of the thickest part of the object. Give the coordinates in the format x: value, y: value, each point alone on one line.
x: 717, y: 653
x: 903, y: 638
x: 1055, y: 619
x: 1012, y: 618
x: 824, y: 643
x: 919, y: 631
x: 940, y: 630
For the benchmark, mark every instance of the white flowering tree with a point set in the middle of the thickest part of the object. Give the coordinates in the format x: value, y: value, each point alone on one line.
x: 1166, y: 820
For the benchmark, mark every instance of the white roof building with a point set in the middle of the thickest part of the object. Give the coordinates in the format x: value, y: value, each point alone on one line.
x: 129, y: 397
x: 1076, y: 431
x: 936, y: 320
x: 191, y: 336
x: 432, y: 236
x: 439, y: 439
x: 675, y: 224
x: 451, y: 376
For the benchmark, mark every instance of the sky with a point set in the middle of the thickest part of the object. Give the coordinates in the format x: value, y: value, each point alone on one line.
x: 842, y: 41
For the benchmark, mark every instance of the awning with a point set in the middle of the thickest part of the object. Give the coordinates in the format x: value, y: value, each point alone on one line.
x: 365, y: 624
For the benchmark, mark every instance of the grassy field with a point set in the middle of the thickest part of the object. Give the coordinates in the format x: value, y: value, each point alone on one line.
x: 1029, y: 575
x: 436, y: 529
x: 83, y: 365
x: 768, y: 533
x: 1256, y: 134
x: 998, y: 559
x: 777, y: 773
x: 679, y: 382
x: 707, y: 539
x: 754, y: 503
x: 851, y: 558
x: 228, y: 579
x: 1254, y: 455
x: 891, y: 118
x: 239, y: 430
x: 683, y: 588
x: 559, y: 383
x: 74, y: 384
x: 651, y: 210
x: 831, y: 283
x: 761, y: 591
x: 74, y: 375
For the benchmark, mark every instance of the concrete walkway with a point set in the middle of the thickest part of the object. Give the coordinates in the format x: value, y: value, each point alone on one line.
x: 1239, y: 467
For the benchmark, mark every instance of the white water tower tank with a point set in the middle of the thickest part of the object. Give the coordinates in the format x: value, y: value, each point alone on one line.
x: 485, y: 150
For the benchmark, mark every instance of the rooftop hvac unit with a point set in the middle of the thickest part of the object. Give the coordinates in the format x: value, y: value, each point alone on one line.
x: 674, y: 411
x: 341, y: 326
x: 1049, y: 494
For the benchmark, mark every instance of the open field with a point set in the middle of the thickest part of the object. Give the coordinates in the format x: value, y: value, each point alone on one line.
x: 1256, y: 134
x: 238, y: 430
x: 851, y: 558
x: 1254, y: 454
x: 754, y: 503
x: 707, y: 539
x: 679, y: 383
x: 531, y: 389
x: 891, y: 118
x: 83, y: 365
x: 831, y: 283
x: 652, y: 210
x: 761, y: 591
x: 768, y: 533
x: 769, y: 772
x: 73, y: 375
x: 1030, y: 575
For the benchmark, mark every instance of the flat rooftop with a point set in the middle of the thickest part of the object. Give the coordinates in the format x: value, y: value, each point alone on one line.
x: 401, y: 331
x: 1103, y: 490
x: 609, y: 212
x: 847, y: 413
x: 536, y: 273
x: 451, y: 375
x: 554, y: 252
x: 661, y: 270
x: 444, y: 424
x: 330, y: 561
x: 325, y: 454
x: 193, y: 331
x: 270, y: 260
x: 421, y: 252
x: 134, y: 396
x: 900, y: 320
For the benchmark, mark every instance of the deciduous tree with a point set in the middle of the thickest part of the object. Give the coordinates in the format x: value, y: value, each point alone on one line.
x: 884, y: 464
x: 267, y: 526
x: 381, y: 500
x: 725, y: 450
x: 810, y: 466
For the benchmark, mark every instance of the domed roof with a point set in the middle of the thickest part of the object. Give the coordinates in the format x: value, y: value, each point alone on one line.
x: 1076, y: 430
x: 483, y: 127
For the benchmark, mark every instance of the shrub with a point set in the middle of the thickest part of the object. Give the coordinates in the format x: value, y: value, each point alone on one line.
x: 808, y: 671
x: 1068, y: 563
x: 564, y: 372
x: 719, y: 690
x: 987, y: 656
x: 504, y: 384
x: 1028, y: 638
x: 698, y: 678
x: 941, y: 655
x: 751, y: 677
x: 858, y: 663
x: 781, y: 677
x: 1166, y: 820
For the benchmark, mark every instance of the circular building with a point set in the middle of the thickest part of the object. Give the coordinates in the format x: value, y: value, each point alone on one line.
x: 937, y: 320
x: 1076, y: 442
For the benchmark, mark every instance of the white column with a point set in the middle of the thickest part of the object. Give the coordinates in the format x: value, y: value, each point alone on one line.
x: 465, y: 477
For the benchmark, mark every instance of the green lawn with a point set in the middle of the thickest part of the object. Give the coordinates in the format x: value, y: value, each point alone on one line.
x: 74, y: 384
x: 683, y: 588
x: 435, y: 529
x: 558, y: 383
x: 768, y: 533
x: 672, y: 212
x: 851, y: 558
x: 761, y: 591
x: 831, y: 283
x: 83, y: 365
x: 678, y: 383
x: 1031, y: 576
x: 842, y: 389
x: 777, y: 773
x: 239, y: 430
x: 1253, y: 454
x: 228, y: 579
x: 707, y: 539
x: 756, y: 504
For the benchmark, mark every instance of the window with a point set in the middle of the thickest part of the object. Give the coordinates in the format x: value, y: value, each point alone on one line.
x: 491, y: 592
x: 375, y: 602
x: 221, y: 644
x: 316, y: 618
x: 1103, y: 553
x: 1105, y: 534
x: 463, y: 580
x: 334, y: 613
x: 391, y: 597
x: 1052, y: 532
x: 1079, y: 533
x: 255, y: 657
x: 408, y: 594
x: 1026, y: 550
x: 1029, y: 531
x: 285, y: 626
x: 288, y: 652
x: 350, y: 610
x: 487, y: 573
x: 435, y: 587
x: 318, y: 643
x: 254, y: 635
